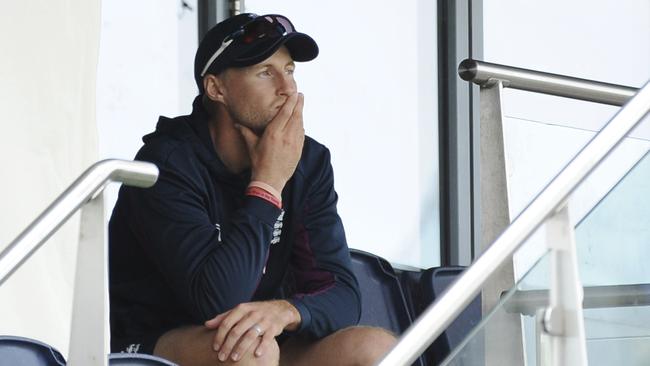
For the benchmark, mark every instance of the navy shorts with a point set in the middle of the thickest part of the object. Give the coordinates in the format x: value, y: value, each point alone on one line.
x: 140, y: 344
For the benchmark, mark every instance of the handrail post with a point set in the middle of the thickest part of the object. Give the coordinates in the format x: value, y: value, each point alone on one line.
x: 563, y: 335
x: 89, y: 334
x: 494, y: 219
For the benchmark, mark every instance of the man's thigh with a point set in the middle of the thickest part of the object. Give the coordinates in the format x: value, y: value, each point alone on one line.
x: 358, y: 345
x: 192, y: 346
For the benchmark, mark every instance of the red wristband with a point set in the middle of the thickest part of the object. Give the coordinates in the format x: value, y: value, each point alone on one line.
x: 263, y: 194
x: 267, y: 187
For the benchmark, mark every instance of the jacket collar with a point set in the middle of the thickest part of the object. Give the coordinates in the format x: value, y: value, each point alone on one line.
x: 193, y: 129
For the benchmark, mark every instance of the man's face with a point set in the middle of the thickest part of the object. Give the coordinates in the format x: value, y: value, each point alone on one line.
x: 254, y: 94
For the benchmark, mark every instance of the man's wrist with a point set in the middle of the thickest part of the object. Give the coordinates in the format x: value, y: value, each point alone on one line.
x: 276, y: 184
x: 267, y: 187
x: 293, y: 316
x: 265, y: 195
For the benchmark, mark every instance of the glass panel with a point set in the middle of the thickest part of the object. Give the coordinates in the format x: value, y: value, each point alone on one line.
x: 473, y: 350
x: 613, y: 239
x: 613, y: 246
x: 612, y: 243
x: 618, y: 336
x: 611, y: 212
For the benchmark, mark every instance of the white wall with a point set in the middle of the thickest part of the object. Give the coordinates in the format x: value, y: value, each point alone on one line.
x: 47, y: 99
x: 139, y: 72
x: 146, y: 63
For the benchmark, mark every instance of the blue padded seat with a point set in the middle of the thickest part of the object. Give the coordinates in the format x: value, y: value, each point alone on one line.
x: 423, y: 289
x: 382, y: 300
x: 137, y: 359
x: 20, y: 351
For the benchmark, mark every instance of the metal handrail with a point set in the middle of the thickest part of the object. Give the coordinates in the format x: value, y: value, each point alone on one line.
x: 82, y: 190
x: 443, y: 311
x: 480, y: 72
x: 527, y: 302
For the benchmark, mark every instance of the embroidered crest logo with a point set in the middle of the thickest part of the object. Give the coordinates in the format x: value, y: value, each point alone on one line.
x: 218, y: 227
x: 277, y: 229
x: 133, y: 348
x: 277, y: 232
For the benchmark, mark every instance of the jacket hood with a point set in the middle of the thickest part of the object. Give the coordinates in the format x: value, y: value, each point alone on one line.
x: 193, y: 130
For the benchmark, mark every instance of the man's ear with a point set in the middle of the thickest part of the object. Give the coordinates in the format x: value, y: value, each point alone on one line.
x: 214, y: 88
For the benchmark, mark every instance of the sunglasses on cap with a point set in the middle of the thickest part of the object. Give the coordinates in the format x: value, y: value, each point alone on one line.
x: 268, y: 26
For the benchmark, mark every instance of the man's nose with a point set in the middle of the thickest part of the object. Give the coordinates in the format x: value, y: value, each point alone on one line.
x: 286, y: 85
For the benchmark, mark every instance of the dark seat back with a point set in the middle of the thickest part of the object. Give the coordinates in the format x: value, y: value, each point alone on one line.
x: 424, y: 289
x: 392, y: 299
x: 21, y: 351
x: 136, y: 359
x: 382, y: 300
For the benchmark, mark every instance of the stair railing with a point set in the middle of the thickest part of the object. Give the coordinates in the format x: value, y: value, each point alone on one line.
x: 563, y: 320
x: 89, y: 336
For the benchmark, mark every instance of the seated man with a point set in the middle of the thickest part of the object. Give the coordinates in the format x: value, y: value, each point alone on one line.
x: 237, y: 255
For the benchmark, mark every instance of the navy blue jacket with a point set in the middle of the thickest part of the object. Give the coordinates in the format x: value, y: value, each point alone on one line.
x: 194, y: 246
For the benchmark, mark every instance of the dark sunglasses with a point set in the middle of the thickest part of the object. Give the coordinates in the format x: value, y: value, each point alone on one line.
x: 267, y: 26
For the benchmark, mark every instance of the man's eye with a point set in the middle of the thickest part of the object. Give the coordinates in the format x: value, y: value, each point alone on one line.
x: 266, y: 74
x: 290, y: 71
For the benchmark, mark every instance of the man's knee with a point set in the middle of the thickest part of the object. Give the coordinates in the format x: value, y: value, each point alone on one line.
x: 193, y: 346
x: 270, y: 357
x: 365, y: 345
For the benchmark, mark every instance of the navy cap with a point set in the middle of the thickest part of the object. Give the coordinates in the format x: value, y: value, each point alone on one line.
x: 247, y: 43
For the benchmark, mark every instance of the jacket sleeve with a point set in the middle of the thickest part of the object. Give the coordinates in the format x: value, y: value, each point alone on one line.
x: 328, y: 296
x: 209, y: 271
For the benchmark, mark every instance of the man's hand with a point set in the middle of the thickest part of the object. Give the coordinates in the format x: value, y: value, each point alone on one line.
x: 237, y: 329
x: 275, y: 155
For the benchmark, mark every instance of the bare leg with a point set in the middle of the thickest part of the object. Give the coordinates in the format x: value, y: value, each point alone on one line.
x: 192, y: 346
x: 354, y: 346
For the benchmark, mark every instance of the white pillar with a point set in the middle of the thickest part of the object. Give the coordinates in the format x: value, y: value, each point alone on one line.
x: 563, y: 338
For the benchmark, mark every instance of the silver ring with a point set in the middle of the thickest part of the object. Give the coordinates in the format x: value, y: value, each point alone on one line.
x: 258, y: 330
